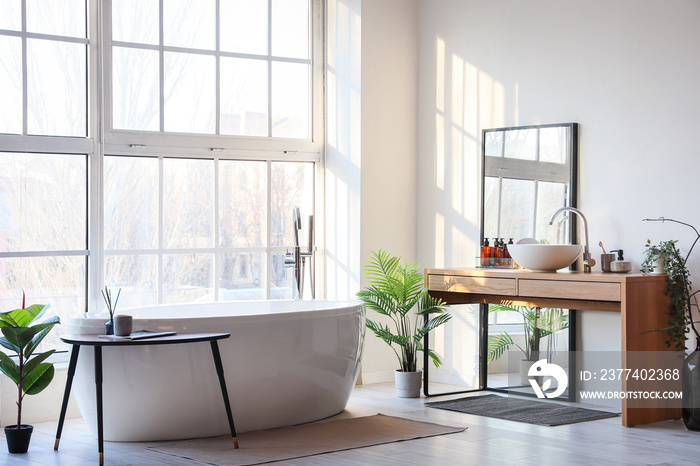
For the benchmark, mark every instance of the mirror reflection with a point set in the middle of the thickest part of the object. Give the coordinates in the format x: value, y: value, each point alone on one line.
x: 528, y: 173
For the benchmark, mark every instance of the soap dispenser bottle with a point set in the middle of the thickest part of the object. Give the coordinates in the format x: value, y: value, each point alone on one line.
x: 620, y: 265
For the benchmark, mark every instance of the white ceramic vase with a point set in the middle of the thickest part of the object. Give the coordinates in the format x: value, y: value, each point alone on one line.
x: 658, y: 267
x: 408, y: 384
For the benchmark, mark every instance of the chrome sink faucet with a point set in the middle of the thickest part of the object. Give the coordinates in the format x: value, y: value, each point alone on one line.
x: 588, y: 261
x: 297, y: 258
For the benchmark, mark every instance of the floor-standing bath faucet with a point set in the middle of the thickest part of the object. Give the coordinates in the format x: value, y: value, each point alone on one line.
x: 297, y: 259
x: 588, y: 261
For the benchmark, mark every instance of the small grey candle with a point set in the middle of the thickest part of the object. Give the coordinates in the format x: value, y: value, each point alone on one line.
x: 123, y: 325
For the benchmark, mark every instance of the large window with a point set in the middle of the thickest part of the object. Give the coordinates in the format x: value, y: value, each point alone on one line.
x: 159, y: 148
x: 228, y: 67
x: 187, y: 230
x: 44, y: 155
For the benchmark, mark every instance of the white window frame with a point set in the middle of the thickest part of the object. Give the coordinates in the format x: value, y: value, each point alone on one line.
x: 100, y: 140
x: 219, y: 147
x: 267, y: 249
x: 57, y: 145
x: 237, y: 147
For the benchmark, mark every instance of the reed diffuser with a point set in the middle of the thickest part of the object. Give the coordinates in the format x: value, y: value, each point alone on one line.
x: 111, y: 307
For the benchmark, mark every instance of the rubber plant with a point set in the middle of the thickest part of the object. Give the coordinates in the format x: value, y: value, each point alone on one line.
x: 394, y: 290
x: 679, y: 287
x: 31, y: 373
x: 538, y: 323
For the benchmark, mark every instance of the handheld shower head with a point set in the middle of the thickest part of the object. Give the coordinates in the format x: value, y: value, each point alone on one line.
x: 296, y: 215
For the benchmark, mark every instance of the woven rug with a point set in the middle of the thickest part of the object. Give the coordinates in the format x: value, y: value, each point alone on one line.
x: 304, y: 440
x: 543, y: 413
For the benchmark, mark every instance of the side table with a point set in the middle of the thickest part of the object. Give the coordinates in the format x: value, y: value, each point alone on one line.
x: 98, y: 342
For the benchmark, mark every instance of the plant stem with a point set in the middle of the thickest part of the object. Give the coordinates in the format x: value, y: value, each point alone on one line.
x: 19, y: 390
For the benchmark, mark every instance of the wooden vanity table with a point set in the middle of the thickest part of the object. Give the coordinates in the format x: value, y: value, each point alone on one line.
x: 640, y: 299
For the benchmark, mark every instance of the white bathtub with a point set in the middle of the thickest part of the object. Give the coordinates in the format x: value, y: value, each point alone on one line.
x: 286, y: 362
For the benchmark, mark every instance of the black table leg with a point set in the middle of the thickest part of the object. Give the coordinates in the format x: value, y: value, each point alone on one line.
x: 98, y: 397
x: 66, y: 394
x: 222, y: 382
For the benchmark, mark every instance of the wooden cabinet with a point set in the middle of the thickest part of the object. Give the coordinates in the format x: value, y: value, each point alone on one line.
x: 640, y: 299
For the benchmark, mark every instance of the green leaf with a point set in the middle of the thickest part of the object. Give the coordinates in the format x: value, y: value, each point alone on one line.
x: 18, y: 336
x: 498, y: 345
x: 9, y: 368
x: 38, y: 379
x: 35, y: 361
x: 41, y: 331
x: 6, y: 344
x: 23, y: 317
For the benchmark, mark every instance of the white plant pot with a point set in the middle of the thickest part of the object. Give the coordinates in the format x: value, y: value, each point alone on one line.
x: 408, y: 384
x: 658, y: 267
x: 524, y: 368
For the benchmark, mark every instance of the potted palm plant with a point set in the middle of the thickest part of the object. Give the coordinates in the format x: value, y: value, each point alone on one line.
x: 538, y: 323
x: 30, y: 373
x: 394, y: 290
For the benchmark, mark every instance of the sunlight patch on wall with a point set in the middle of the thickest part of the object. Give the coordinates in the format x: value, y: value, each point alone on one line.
x: 343, y: 143
x: 440, y: 76
x: 440, y: 151
x: 458, y: 103
x: 457, y: 170
x: 439, y: 240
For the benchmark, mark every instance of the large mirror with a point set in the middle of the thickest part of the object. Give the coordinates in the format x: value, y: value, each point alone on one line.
x: 528, y: 173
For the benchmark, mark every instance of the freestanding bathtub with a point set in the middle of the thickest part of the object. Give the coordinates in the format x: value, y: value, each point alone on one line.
x: 286, y: 363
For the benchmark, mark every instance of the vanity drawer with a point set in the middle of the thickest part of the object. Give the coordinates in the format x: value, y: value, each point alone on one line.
x: 476, y: 285
x: 595, y: 291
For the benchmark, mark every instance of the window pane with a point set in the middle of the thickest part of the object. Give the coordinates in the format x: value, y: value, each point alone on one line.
x: 135, y: 89
x: 188, y: 200
x: 57, y: 281
x: 290, y: 28
x: 57, y: 89
x: 242, y: 204
x: 136, y: 275
x: 57, y: 17
x: 554, y: 144
x: 243, y: 97
x: 130, y: 202
x: 517, y: 217
x: 43, y: 202
x: 190, y: 93
x: 550, y: 197
x: 242, y: 276
x: 292, y: 185
x: 491, y: 189
x: 135, y: 21
x: 290, y: 100
x: 521, y: 144
x: 188, y: 278
x: 244, y: 26
x: 494, y: 143
x: 189, y: 23
x: 281, y: 278
x: 11, y: 84
x: 11, y: 17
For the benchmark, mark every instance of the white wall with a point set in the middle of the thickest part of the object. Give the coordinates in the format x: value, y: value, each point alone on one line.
x: 625, y: 70
x: 389, y: 147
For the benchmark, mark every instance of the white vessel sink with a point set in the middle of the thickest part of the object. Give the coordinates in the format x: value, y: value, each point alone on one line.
x: 544, y: 257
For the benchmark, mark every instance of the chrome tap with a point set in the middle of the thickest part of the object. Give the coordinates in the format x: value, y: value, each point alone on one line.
x: 588, y: 261
x: 297, y: 258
